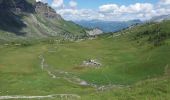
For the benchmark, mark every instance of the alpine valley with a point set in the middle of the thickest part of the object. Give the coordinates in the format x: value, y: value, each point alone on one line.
x: 45, y: 57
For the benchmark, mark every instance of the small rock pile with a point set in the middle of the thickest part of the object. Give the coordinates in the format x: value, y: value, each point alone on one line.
x: 91, y: 63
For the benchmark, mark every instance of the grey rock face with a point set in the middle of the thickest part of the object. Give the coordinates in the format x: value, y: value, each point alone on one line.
x: 16, y: 5
x: 94, y: 32
x: 46, y: 11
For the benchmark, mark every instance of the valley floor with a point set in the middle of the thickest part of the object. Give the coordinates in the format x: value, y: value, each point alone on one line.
x: 57, y: 71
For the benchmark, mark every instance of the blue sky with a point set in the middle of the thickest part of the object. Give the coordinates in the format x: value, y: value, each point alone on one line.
x: 94, y: 4
x: 109, y: 9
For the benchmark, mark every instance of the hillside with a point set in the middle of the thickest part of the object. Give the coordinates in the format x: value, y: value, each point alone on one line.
x: 129, y: 65
x: 108, y: 26
x: 160, y: 18
x: 30, y: 19
x: 154, y: 34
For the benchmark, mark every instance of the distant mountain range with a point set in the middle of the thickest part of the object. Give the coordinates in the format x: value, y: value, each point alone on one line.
x: 160, y: 18
x: 107, y: 26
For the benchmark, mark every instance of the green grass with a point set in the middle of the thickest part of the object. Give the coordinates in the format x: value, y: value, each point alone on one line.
x: 21, y: 74
x: 143, y: 70
x: 152, y: 89
x: 121, y: 64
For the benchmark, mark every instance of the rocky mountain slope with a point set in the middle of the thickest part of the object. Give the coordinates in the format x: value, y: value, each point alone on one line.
x: 160, y: 18
x: 31, y: 19
x: 94, y: 32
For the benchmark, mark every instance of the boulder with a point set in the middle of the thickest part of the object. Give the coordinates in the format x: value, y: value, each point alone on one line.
x: 91, y: 63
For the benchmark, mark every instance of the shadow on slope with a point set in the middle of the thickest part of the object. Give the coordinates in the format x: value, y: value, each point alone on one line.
x: 11, y: 12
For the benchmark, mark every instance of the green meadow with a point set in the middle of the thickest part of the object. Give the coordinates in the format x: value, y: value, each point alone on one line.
x: 131, y: 69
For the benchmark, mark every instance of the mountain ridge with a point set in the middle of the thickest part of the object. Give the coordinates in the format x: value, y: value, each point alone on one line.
x: 160, y: 18
x: 107, y: 26
x: 31, y: 19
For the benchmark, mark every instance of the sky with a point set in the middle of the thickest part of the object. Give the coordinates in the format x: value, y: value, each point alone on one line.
x: 110, y: 10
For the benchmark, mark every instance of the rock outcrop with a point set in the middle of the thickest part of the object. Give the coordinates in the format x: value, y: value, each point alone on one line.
x: 94, y: 32
x: 16, y: 6
x: 91, y: 63
x: 47, y: 11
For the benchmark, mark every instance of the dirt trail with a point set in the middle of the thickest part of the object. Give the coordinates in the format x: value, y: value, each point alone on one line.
x: 167, y: 70
x: 66, y: 96
x: 58, y: 74
x: 70, y: 77
x: 42, y: 61
x: 61, y: 74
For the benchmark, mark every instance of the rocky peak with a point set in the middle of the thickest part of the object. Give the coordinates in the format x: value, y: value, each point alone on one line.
x: 20, y: 6
x: 45, y: 10
x: 16, y: 5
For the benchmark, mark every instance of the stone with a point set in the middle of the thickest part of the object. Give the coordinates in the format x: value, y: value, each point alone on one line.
x: 95, y: 32
x: 84, y: 83
x: 91, y: 63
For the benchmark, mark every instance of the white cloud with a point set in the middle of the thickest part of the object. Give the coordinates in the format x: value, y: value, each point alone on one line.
x: 114, y: 12
x: 108, y: 8
x: 162, y: 8
x: 133, y: 11
x: 38, y: 0
x: 41, y: 1
x: 57, y: 3
x: 80, y: 14
x: 165, y: 2
x: 73, y: 4
x: 140, y: 7
x: 135, y: 8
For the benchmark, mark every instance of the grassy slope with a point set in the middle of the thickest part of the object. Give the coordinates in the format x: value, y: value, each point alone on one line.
x: 124, y: 61
x: 21, y: 74
x: 40, y: 27
x: 121, y: 64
